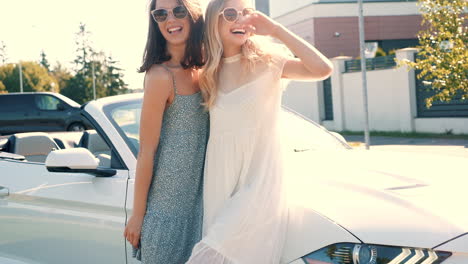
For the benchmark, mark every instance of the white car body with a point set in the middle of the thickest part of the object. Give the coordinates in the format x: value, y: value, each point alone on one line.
x: 337, y: 195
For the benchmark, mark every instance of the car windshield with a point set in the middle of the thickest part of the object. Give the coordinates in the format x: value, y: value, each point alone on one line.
x: 299, y: 133
x: 68, y: 100
x: 126, y: 119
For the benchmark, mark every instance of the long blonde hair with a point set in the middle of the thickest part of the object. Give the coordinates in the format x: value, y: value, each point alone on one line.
x: 251, y: 52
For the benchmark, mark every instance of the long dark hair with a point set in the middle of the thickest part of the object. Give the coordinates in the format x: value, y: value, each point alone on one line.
x: 156, y: 45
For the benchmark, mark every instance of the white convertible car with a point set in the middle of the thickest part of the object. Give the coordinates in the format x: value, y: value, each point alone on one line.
x: 65, y: 197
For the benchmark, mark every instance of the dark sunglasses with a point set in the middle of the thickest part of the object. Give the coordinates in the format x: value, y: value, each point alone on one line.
x: 231, y: 14
x: 160, y: 15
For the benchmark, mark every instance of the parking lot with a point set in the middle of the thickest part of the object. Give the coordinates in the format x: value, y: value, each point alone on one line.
x: 450, y: 147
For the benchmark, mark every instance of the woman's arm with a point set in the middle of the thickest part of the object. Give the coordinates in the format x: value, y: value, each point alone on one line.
x: 310, y: 63
x: 158, y: 88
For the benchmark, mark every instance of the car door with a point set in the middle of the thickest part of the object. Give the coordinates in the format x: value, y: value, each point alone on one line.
x: 58, y: 218
x: 47, y: 114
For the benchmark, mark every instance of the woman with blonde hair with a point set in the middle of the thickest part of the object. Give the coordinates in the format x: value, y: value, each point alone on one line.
x: 245, y: 211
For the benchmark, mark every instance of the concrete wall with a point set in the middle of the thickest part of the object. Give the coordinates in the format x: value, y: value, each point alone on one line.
x: 383, y: 101
x: 391, y: 101
x: 442, y: 125
x: 305, y: 98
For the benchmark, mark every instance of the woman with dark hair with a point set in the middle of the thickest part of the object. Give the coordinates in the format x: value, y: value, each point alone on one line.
x: 167, y: 209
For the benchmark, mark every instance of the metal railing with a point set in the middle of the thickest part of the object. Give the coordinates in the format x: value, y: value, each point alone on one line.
x: 377, y: 63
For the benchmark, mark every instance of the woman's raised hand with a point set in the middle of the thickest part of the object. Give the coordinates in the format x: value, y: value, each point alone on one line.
x: 259, y: 24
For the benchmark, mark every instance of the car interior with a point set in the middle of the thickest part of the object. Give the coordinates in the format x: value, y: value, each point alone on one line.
x: 35, y: 146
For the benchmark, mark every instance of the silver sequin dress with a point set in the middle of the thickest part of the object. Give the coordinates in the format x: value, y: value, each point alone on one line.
x: 173, y: 221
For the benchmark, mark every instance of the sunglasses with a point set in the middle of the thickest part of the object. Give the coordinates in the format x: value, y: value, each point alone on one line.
x: 160, y: 15
x: 231, y: 14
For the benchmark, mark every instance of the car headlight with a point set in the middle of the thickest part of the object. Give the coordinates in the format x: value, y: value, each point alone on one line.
x: 351, y: 253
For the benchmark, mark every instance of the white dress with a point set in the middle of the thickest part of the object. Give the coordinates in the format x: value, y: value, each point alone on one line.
x: 245, y: 214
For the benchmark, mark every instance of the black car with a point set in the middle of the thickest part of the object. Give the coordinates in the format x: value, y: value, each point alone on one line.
x: 34, y: 112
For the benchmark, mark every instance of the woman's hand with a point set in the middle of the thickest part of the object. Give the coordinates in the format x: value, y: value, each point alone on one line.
x: 310, y: 64
x: 259, y: 24
x: 133, y: 230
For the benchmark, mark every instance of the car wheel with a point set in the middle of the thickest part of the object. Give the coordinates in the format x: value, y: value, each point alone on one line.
x: 76, y: 127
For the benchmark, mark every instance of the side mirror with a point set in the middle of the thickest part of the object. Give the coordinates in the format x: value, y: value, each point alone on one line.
x: 76, y: 160
x: 60, y: 107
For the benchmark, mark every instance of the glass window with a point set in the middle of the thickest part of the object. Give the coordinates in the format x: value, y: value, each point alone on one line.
x: 299, y: 133
x: 14, y: 103
x: 127, y: 119
x: 46, y: 102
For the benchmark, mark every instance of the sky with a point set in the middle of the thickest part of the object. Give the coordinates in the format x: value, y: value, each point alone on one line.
x: 118, y: 27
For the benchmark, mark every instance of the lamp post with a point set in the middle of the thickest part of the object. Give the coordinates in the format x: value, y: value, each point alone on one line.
x: 364, y: 76
x: 93, y: 58
x: 94, y: 81
x: 20, y: 76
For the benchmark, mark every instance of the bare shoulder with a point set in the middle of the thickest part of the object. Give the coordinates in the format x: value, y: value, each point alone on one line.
x: 158, y: 81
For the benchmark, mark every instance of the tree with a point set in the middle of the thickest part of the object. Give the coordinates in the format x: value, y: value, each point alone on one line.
x: 35, y: 77
x: 84, y: 48
x: 44, y: 62
x: 442, y: 59
x: 6, y: 74
x: 2, y: 88
x: 79, y: 86
x: 3, y: 53
x: 113, y: 78
x: 62, y: 75
x: 88, y: 62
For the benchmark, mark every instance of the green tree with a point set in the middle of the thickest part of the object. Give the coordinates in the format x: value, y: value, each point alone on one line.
x: 62, y: 75
x: 380, y: 52
x: 35, y: 77
x: 113, y: 81
x: 6, y: 76
x: 79, y: 86
x: 89, y: 63
x: 2, y: 88
x: 84, y: 48
x: 44, y: 62
x: 3, y: 53
x: 442, y: 59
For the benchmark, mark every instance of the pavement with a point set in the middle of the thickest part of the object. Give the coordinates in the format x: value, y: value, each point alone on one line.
x: 443, y: 146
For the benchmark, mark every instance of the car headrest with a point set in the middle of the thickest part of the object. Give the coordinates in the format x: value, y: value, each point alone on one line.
x: 35, y: 146
x: 93, y: 142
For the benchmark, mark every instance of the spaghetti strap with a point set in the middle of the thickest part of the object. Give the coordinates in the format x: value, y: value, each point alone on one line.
x: 173, y: 77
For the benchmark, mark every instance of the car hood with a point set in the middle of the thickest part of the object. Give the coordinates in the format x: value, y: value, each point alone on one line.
x: 380, y: 197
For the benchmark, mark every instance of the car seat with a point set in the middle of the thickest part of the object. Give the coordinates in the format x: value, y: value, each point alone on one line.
x: 96, y: 145
x: 34, y: 146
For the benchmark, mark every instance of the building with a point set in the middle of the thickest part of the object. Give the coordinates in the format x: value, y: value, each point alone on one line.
x: 395, y: 96
x: 263, y: 6
x: 332, y: 25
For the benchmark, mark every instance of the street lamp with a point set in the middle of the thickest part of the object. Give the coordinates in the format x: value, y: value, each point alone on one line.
x: 364, y: 77
x: 20, y: 76
x: 93, y: 58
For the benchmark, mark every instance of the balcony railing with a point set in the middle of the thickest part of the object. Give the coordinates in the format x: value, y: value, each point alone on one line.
x: 377, y: 63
